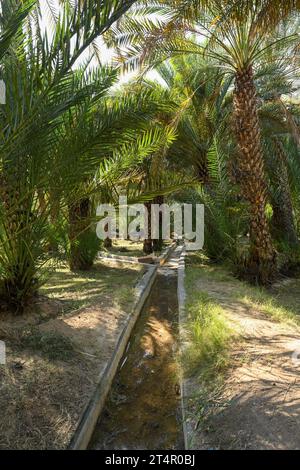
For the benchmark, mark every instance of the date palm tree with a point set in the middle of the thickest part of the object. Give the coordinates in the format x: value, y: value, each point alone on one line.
x: 43, y: 88
x: 234, y: 36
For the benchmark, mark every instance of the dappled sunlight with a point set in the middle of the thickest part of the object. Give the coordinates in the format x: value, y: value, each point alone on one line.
x: 77, y: 289
x: 150, y: 190
x: 256, y: 405
x: 143, y: 406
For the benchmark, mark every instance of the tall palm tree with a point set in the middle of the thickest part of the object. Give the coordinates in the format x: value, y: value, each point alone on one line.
x: 233, y: 36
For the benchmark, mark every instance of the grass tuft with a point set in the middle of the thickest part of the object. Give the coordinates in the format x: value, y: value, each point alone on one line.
x: 261, y: 300
x: 209, y: 337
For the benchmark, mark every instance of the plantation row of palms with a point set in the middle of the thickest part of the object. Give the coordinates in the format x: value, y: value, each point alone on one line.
x: 221, y: 127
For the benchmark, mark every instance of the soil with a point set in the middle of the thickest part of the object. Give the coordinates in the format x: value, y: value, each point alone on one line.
x: 43, y: 394
x: 258, y: 407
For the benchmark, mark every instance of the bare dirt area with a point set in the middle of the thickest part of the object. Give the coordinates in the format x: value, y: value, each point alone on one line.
x: 56, y: 355
x: 257, y: 405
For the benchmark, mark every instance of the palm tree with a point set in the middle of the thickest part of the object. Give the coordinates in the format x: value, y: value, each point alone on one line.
x: 276, y: 83
x: 119, y: 124
x: 194, y: 84
x: 39, y: 73
x: 232, y: 35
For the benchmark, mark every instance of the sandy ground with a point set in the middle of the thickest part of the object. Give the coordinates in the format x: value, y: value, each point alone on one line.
x: 41, y: 398
x: 259, y: 405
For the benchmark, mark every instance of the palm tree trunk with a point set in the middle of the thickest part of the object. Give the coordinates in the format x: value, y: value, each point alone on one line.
x: 261, y: 264
x: 108, y: 241
x: 148, y: 245
x: 158, y: 244
x: 283, y: 217
x: 79, y: 219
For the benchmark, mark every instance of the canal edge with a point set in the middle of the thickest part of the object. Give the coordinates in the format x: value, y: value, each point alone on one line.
x: 181, y: 294
x: 188, y: 385
x: 160, y: 260
x: 88, y: 421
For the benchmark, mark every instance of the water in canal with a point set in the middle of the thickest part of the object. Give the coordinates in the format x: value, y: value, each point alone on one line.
x: 143, y: 408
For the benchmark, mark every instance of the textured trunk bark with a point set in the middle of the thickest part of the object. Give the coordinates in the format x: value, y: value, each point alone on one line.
x: 79, y: 218
x: 19, y: 281
x: 261, y: 264
x: 283, y: 217
x: 107, y: 242
x: 148, y: 245
x: 158, y: 244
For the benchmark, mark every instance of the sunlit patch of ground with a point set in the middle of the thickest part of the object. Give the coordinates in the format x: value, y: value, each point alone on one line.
x: 126, y: 248
x: 57, y: 352
x: 77, y: 290
x: 129, y: 248
x: 253, y: 402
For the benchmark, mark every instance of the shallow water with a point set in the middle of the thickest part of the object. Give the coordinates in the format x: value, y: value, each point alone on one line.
x: 143, y: 407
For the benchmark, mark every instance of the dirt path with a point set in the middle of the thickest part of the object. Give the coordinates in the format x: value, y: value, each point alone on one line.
x: 259, y: 405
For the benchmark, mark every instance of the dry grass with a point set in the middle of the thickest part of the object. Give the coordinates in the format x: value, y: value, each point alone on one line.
x: 40, y: 400
x: 126, y: 248
x: 77, y: 290
x: 56, y: 353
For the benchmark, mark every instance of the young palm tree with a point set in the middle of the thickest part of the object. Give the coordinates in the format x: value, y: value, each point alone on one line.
x: 39, y: 73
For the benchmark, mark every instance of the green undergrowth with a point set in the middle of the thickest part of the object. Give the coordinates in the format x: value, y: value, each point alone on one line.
x: 209, y: 337
x: 281, y: 302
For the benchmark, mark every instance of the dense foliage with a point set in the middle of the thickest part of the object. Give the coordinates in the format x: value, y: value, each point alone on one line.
x: 221, y: 126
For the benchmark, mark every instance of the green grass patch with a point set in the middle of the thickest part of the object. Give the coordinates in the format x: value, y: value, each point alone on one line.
x: 281, y: 306
x: 281, y: 303
x: 209, y: 337
x: 125, y: 296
